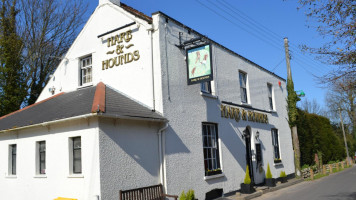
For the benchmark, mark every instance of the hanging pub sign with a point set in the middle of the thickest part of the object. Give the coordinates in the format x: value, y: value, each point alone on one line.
x: 199, y: 64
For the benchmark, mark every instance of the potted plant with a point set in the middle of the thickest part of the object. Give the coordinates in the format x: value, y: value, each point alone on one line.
x: 270, y: 182
x: 213, y: 172
x: 283, y: 177
x: 246, y: 186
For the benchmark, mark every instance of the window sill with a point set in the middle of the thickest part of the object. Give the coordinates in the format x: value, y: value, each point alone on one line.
x: 208, y: 95
x: 11, y: 176
x: 279, y: 163
x: 40, y: 176
x: 75, y: 176
x: 214, y: 176
x: 246, y: 104
x: 85, y: 85
x: 272, y: 111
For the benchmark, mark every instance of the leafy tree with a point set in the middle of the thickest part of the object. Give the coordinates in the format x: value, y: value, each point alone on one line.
x: 337, y: 23
x: 12, y: 74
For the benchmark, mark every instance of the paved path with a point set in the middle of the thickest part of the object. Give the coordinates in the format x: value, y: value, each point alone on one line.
x: 338, y: 186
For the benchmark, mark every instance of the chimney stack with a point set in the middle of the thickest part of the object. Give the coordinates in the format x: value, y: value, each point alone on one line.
x: 116, y: 2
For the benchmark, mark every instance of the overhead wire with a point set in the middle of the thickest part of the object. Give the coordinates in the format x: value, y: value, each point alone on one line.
x: 256, y: 26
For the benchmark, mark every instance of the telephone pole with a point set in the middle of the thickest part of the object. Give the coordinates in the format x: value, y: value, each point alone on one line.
x: 292, y: 111
x: 343, y: 132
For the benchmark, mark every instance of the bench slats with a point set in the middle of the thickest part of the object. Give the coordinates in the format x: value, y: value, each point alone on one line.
x: 154, y: 192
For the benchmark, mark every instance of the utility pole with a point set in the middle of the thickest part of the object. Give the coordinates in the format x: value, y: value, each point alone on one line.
x: 343, y: 132
x: 292, y: 111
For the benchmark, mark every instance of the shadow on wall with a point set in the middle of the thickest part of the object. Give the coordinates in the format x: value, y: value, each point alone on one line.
x: 174, y: 143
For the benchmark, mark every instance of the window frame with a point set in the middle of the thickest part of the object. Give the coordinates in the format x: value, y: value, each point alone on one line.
x: 41, y: 157
x: 86, y: 68
x: 213, y: 149
x: 12, y: 160
x: 243, y: 87
x: 270, y: 96
x: 275, y: 145
x: 205, y: 87
x: 72, y: 156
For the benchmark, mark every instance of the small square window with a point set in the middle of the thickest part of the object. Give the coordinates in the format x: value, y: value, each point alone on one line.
x: 205, y: 87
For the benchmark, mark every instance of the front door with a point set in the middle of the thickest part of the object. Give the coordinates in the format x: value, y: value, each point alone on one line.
x: 248, y: 153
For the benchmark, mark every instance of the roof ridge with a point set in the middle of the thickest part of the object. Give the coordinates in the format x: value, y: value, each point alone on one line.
x: 99, y: 98
x: 136, y: 12
x: 30, y: 106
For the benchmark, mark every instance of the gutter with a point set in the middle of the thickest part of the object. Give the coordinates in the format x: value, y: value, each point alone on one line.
x: 51, y: 122
x: 85, y: 116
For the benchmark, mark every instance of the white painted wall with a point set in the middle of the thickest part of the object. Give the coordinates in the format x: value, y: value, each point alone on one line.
x: 134, y: 79
x: 57, y: 182
x: 129, y: 155
x: 186, y: 109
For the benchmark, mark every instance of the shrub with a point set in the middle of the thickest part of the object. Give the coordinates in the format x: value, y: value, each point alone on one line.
x: 305, y: 166
x: 190, y: 195
x: 283, y: 174
x: 183, y: 196
x: 268, y: 173
x: 247, y: 179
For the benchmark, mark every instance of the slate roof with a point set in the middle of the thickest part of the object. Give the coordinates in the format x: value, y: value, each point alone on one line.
x: 77, y: 103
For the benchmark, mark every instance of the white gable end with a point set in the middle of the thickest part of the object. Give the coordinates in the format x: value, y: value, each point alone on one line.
x: 120, y: 56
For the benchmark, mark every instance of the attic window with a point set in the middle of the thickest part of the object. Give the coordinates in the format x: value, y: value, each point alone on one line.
x: 85, y: 70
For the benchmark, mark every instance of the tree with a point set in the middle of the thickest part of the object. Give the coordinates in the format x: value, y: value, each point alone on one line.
x: 337, y: 19
x: 49, y: 27
x: 342, y: 94
x: 12, y: 74
x: 311, y: 106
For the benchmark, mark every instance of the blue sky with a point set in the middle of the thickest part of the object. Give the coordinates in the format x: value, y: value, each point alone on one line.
x: 254, y: 29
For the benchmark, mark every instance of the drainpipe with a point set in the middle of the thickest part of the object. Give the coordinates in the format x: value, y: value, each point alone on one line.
x: 161, y: 147
x: 153, y: 80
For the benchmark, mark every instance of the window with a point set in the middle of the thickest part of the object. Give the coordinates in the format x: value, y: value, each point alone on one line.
x: 86, y: 70
x: 243, y: 87
x: 76, y: 155
x: 275, y: 144
x: 270, y: 98
x: 206, y: 87
x: 41, y: 158
x: 211, y: 149
x: 12, y: 159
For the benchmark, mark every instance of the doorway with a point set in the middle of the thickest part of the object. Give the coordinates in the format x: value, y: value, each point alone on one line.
x: 249, y: 153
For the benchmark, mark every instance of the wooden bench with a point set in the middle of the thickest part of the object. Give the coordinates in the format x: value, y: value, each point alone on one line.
x: 153, y: 192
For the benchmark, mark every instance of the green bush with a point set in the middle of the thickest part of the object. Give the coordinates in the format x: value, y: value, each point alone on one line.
x: 283, y: 174
x: 305, y: 166
x: 183, y: 196
x: 189, y: 196
x: 268, y: 173
x: 247, y: 179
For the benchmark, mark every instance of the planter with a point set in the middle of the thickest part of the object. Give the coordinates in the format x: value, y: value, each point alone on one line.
x: 210, y: 173
x: 247, y: 188
x: 270, y: 182
x: 283, y: 179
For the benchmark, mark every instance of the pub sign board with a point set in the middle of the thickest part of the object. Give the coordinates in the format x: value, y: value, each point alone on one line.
x: 199, y: 64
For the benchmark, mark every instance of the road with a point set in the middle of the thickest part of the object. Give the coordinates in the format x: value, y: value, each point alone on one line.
x: 338, y: 186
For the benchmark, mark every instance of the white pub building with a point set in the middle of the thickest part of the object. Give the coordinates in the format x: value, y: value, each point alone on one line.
x: 140, y: 101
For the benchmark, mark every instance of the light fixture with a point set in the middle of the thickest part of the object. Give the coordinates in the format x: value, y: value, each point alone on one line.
x: 257, y: 135
x: 301, y: 93
x: 245, y: 135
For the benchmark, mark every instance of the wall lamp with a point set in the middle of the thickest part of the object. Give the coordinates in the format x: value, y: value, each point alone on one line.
x: 257, y: 136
